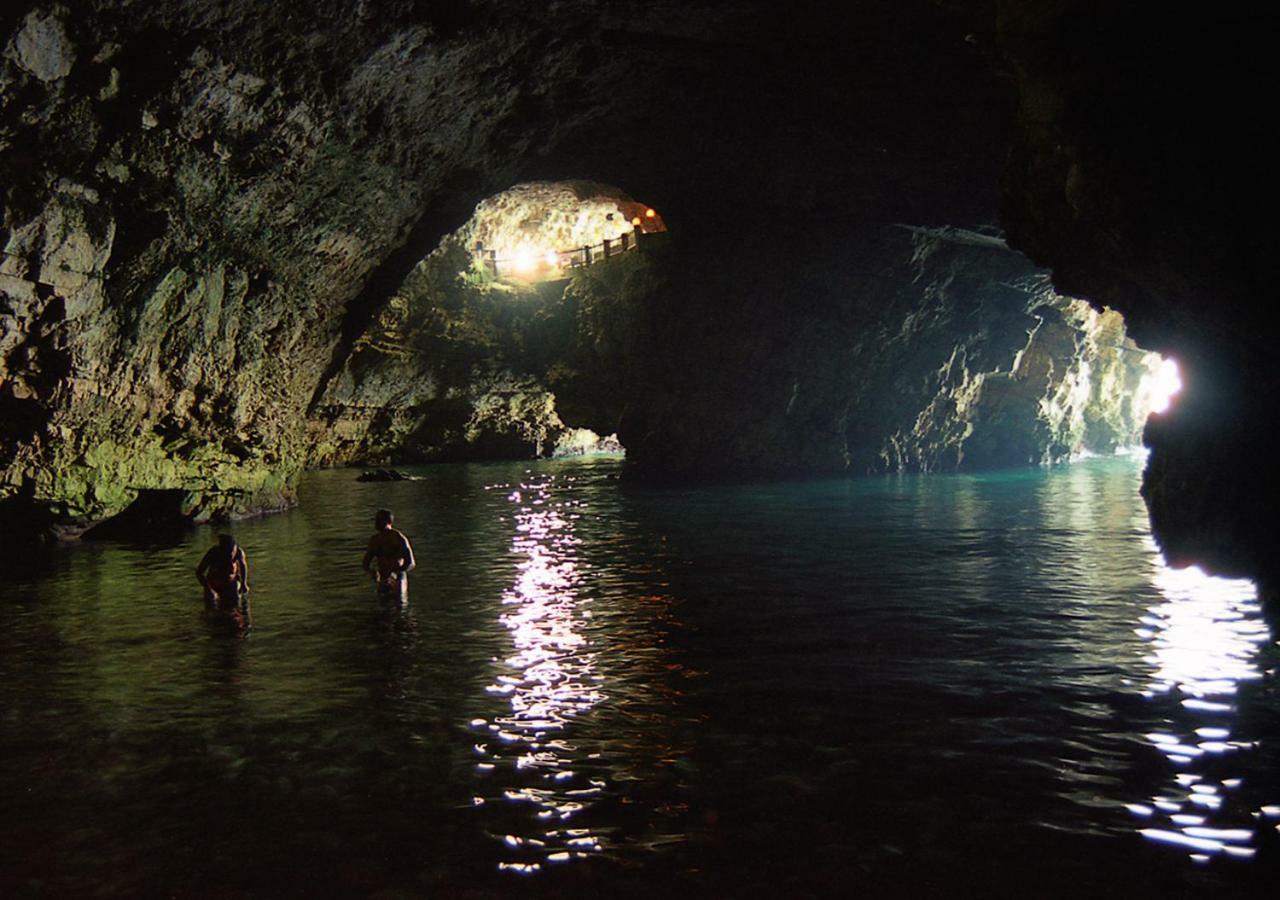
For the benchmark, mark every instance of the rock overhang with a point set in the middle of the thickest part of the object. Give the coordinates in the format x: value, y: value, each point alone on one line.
x: 293, y: 149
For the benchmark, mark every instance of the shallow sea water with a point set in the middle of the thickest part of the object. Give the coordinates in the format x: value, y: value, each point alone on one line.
x: 921, y: 686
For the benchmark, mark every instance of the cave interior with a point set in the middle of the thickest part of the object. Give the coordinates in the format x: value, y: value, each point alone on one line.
x: 245, y: 239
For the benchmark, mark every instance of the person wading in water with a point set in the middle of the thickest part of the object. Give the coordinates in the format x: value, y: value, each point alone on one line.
x: 224, y: 572
x: 389, y: 549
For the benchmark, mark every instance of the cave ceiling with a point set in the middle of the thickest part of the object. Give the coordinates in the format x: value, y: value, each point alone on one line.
x: 274, y: 172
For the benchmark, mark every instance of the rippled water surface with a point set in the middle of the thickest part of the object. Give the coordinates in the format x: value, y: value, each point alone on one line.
x: 959, y: 686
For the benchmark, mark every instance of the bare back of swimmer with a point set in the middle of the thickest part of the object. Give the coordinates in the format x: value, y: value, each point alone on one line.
x: 389, y: 556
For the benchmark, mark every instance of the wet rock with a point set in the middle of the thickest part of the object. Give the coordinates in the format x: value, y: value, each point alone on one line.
x: 267, y: 180
x: 1172, y: 246
x: 585, y: 442
x: 383, y: 475
x: 42, y: 48
x: 957, y: 354
x: 215, y: 227
x: 451, y: 367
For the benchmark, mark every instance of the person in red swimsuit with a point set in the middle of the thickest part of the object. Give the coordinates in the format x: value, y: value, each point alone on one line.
x: 224, y: 572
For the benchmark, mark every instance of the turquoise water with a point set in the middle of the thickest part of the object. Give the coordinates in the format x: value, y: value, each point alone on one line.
x: 975, y: 686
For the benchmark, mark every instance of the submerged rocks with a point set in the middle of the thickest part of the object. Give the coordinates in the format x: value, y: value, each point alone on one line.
x: 383, y: 475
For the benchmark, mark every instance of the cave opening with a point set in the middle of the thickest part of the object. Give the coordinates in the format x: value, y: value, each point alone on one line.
x: 543, y: 230
x: 448, y: 368
x: 880, y: 349
x: 156, y: 515
x: 1161, y: 384
x: 246, y: 241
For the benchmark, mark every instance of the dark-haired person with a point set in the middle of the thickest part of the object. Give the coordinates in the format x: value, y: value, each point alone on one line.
x: 224, y: 572
x: 389, y: 556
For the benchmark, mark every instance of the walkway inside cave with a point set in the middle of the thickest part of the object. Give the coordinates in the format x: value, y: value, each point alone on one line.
x: 541, y: 231
x: 876, y: 602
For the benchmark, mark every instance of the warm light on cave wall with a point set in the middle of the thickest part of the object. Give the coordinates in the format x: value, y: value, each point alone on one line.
x: 541, y: 227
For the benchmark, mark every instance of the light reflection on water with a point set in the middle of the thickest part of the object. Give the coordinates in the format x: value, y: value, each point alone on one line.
x: 1205, y: 635
x: 793, y: 688
x: 551, y: 679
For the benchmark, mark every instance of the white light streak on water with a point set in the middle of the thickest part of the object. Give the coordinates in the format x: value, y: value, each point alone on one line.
x: 1177, y: 837
x: 551, y: 676
x: 1205, y: 636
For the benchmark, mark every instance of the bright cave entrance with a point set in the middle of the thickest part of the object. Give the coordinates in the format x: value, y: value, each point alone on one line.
x: 527, y: 378
x: 528, y: 242
x: 1158, y: 388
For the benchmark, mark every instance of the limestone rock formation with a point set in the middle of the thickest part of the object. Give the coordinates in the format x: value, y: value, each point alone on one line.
x: 1138, y: 174
x: 1073, y: 387
x: 194, y: 201
x: 915, y: 350
x: 212, y: 210
x: 461, y: 364
x: 529, y: 223
x: 954, y: 354
x: 40, y: 46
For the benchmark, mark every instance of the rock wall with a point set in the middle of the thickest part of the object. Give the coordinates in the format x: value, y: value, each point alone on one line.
x: 102, y: 402
x: 458, y: 364
x: 447, y: 369
x: 907, y: 349
x: 202, y: 202
x: 464, y: 362
x: 1030, y: 376
x: 917, y: 350
x: 214, y: 216
x: 1137, y: 175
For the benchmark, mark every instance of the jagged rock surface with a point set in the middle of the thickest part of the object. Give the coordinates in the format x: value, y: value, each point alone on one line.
x: 206, y: 205
x: 459, y: 364
x: 1030, y: 376
x: 931, y: 349
x: 241, y: 186
x: 913, y: 350
x: 1137, y: 174
x: 193, y: 202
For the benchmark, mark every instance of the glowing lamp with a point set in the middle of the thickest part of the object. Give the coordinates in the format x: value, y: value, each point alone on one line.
x: 649, y: 214
x: 635, y: 221
x: 525, y: 260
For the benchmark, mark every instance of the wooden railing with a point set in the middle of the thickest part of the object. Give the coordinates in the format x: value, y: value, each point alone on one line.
x: 565, y: 260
